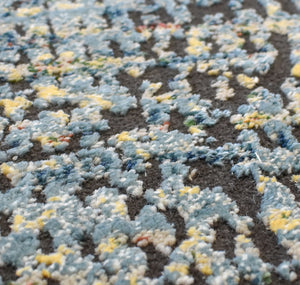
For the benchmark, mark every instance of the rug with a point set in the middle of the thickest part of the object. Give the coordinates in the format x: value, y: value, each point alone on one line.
x: 149, y: 142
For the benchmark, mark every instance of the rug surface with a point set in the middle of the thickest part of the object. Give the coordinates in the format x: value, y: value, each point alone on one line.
x: 149, y: 142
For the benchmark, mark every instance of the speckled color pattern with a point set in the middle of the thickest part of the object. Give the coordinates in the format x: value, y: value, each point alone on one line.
x: 149, y: 142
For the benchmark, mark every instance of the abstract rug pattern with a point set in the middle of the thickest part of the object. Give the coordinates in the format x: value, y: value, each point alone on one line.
x: 150, y: 142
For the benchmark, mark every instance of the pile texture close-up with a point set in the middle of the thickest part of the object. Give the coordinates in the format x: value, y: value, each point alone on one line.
x: 149, y: 142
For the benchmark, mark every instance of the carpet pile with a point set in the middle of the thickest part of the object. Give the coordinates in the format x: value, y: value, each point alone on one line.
x: 149, y: 142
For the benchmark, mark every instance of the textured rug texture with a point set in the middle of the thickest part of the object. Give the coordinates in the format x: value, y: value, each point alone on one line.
x: 149, y: 142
